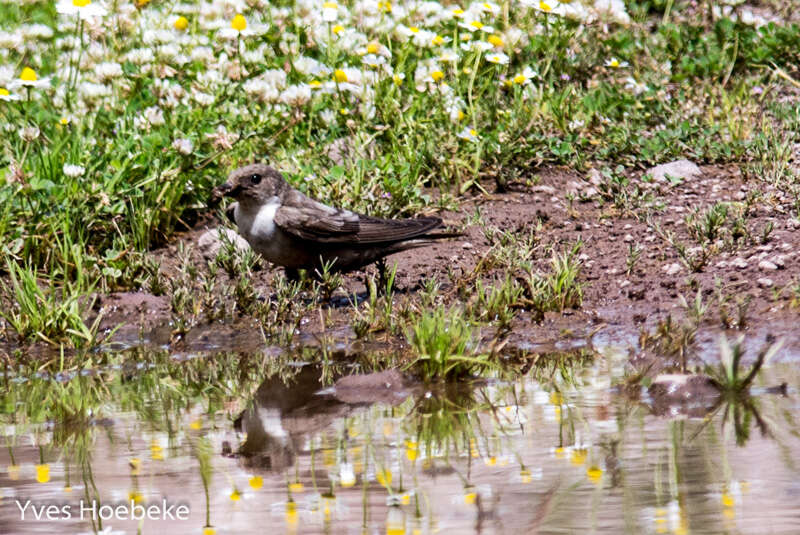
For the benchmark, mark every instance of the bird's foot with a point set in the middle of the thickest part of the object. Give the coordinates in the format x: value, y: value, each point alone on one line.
x: 292, y: 274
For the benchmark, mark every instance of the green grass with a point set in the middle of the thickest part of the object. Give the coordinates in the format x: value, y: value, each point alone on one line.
x: 687, y: 86
x: 444, y: 346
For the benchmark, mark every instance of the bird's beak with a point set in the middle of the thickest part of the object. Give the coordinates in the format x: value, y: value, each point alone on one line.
x: 225, y: 190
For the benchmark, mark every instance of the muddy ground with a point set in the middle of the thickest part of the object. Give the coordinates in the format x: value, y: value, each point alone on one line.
x: 619, y: 303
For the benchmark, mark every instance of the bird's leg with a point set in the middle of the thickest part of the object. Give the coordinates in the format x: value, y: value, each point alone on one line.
x: 382, y: 281
x: 292, y: 274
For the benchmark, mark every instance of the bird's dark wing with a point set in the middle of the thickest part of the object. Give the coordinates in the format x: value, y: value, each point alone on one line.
x: 314, y: 221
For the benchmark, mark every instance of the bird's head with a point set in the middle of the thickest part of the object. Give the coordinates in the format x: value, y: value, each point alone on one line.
x: 256, y: 183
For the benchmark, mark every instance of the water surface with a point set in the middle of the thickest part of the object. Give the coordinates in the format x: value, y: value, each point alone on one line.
x: 255, y: 444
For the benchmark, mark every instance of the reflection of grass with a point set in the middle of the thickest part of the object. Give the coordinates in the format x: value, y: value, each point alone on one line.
x: 154, y: 385
x: 730, y: 375
x: 446, y: 420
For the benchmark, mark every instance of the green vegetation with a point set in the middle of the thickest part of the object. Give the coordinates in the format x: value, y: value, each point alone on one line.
x: 115, y: 143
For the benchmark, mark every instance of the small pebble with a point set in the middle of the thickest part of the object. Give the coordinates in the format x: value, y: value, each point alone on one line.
x: 766, y: 265
x: 764, y: 282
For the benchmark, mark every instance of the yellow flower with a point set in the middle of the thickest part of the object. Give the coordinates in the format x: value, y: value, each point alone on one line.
x: 337, y: 29
x: 373, y: 48
x: 196, y: 424
x: 340, y: 76
x: 437, y: 75
x: 461, y: 115
x: 385, y: 6
x: 81, y: 3
x: 476, y: 24
x: 469, y: 498
x: 458, y: 12
x: 181, y: 23
x: 437, y: 40
x: 235, y: 495
x: 544, y: 6
x: 330, y: 5
x: 489, y: 461
x: 4, y: 92
x: 64, y: 121
x: 28, y: 75
x: 135, y: 496
x: 43, y: 473
x: 208, y: 530
x: 296, y: 487
x: 398, y: 80
x: 239, y: 23
x: 139, y: 3
x: 256, y: 482
x: 496, y: 40
x: 135, y: 465
x: 413, y: 29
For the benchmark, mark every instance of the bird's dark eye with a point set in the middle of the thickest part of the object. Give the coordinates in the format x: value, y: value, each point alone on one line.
x: 255, y: 179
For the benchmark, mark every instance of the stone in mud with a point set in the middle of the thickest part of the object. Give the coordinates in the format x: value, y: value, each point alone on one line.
x: 383, y: 387
x: 766, y: 265
x: 678, y: 169
x: 210, y: 242
x: 765, y: 282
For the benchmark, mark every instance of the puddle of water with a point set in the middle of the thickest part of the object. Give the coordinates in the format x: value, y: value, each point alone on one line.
x: 247, y: 446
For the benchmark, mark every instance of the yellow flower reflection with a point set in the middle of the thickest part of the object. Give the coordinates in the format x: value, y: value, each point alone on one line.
x: 43, y: 473
x: 578, y: 456
x: 256, y: 482
x: 291, y: 513
x: 395, y: 522
x: 595, y: 474
x: 412, y: 450
x: 384, y: 477
x: 13, y: 472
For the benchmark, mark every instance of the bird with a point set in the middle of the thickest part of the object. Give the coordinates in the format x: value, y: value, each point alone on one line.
x: 292, y: 230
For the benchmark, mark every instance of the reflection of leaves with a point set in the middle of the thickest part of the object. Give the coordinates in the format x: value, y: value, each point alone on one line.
x: 203, y: 450
x: 156, y: 386
x: 741, y: 412
x: 446, y: 418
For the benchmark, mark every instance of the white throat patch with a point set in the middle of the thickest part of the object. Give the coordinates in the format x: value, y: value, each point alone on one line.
x: 258, y: 224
